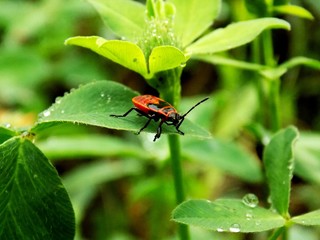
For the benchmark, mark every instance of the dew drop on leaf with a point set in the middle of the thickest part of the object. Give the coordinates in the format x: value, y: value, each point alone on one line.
x: 250, y: 200
x: 58, y: 100
x: 249, y: 216
x: 219, y: 229
x: 46, y: 113
x: 183, y: 64
x: 235, y: 228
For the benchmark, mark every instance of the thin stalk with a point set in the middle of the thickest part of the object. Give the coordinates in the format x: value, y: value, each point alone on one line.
x: 274, y: 84
x: 277, y: 233
x: 275, y: 104
x: 175, y: 152
x: 256, y: 58
x: 170, y: 90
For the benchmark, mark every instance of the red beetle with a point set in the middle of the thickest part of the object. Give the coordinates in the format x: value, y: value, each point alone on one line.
x: 156, y: 108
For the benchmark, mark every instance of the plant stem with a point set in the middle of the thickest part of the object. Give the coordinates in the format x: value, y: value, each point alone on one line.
x: 274, y: 84
x: 256, y: 58
x: 174, y: 145
x: 275, y: 104
x: 168, y: 84
x: 276, y: 233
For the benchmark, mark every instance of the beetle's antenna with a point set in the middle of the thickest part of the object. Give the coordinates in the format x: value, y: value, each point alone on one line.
x: 194, y: 107
x: 182, y: 117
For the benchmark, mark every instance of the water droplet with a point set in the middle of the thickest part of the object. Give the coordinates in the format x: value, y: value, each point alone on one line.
x: 290, y: 166
x: 183, y: 64
x: 58, y: 100
x: 258, y: 222
x: 249, y: 216
x: 35, y: 176
x: 250, y: 200
x: 62, y: 111
x: 102, y: 94
x: 71, y: 91
x: 234, y: 228
x: 46, y: 113
x: 108, y: 99
x: 7, y: 125
x: 219, y: 229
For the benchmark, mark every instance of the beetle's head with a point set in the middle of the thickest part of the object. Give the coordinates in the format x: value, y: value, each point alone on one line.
x: 174, y: 118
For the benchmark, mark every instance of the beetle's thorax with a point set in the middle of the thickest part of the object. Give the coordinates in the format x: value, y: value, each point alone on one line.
x: 174, y: 117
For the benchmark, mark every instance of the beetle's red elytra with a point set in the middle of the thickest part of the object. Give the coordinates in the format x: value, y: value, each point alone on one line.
x: 156, y: 109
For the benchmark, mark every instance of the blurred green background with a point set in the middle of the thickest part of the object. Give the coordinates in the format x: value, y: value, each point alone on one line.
x: 121, y: 187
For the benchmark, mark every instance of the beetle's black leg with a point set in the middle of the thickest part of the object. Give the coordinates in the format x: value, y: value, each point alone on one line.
x: 159, y: 130
x: 177, y: 128
x: 179, y: 131
x: 125, y: 114
x: 140, y: 113
x: 147, y: 123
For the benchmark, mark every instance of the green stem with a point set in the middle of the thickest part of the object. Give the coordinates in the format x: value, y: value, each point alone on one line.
x: 274, y: 84
x: 175, y: 152
x: 168, y: 84
x: 256, y: 58
x: 275, y: 104
x: 277, y: 233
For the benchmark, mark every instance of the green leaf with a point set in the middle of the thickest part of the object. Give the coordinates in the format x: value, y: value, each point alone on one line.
x: 124, y: 53
x: 93, y: 145
x: 307, y: 157
x: 34, y: 203
x: 278, y: 162
x: 92, y: 104
x: 164, y: 58
x: 293, y: 10
x: 193, y: 18
x: 226, y: 215
x: 225, y: 155
x: 6, y: 133
x: 126, y: 18
x: 308, y: 219
x: 234, y: 35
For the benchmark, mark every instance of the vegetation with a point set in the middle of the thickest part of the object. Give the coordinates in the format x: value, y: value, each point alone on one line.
x: 248, y: 165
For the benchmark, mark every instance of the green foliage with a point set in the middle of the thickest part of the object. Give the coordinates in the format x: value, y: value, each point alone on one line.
x: 234, y: 35
x: 92, y: 104
x: 229, y: 215
x: 278, y: 161
x: 235, y: 142
x: 34, y: 201
x: 245, y: 216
